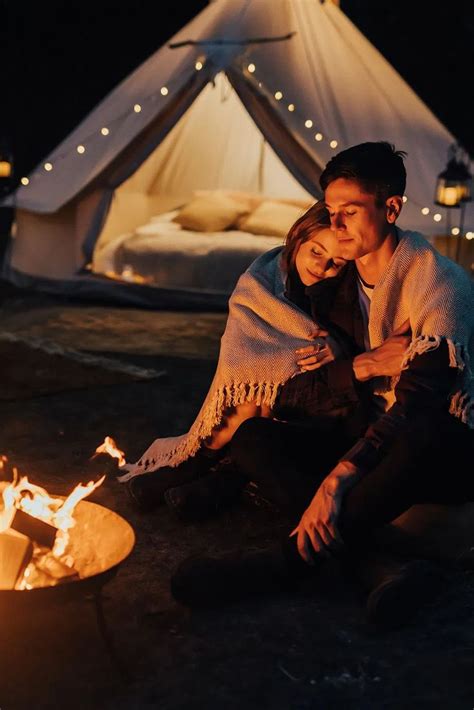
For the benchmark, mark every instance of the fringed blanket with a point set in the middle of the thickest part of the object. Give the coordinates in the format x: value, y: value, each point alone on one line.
x: 436, y: 295
x: 257, y: 356
x: 264, y: 329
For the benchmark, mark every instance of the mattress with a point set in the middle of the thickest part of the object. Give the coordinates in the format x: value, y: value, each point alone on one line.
x: 161, y: 253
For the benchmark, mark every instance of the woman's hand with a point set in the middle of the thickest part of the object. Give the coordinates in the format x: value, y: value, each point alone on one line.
x: 321, y: 353
x: 317, y: 530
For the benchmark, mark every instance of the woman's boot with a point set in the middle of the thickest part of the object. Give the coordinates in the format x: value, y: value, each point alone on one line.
x: 208, y: 495
x: 147, y: 490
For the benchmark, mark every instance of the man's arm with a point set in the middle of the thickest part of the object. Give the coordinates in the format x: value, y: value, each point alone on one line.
x: 425, y: 384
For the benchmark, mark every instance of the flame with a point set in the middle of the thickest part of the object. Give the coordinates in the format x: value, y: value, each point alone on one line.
x: 110, y: 447
x: 37, y: 502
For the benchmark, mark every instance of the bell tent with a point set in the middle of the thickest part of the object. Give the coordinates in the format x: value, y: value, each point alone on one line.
x: 251, y: 97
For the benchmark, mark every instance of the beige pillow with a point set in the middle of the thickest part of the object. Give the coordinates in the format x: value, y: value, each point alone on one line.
x: 251, y: 200
x: 212, y: 213
x: 271, y: 218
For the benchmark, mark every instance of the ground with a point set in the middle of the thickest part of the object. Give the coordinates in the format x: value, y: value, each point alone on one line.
x: 313, y: 649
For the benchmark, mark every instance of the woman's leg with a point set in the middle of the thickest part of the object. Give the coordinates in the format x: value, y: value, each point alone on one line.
x: 232, y: 419
x: 287, y: 461
x: 193, y: 490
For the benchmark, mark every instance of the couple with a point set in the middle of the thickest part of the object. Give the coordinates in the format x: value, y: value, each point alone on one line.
x: 342, y: 390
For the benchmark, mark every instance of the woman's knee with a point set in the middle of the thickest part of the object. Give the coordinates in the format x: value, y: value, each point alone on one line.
x: 253, y: 440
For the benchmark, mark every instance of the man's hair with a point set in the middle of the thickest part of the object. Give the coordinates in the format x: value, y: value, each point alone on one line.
x: 377, y: 167
x: 314, y: 220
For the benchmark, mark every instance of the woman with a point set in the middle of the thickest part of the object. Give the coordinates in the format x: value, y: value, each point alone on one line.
x: 280, y: 317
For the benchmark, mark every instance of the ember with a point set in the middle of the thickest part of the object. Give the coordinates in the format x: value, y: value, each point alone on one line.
x: 34, y: 533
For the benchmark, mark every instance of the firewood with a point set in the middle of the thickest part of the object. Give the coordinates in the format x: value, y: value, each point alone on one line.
x: 100, y: 464
x: 42, y: 533
x: 16, y: 551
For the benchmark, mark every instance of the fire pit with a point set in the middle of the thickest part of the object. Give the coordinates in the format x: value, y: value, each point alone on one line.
x: 56, y: 549
x: 98, y: 543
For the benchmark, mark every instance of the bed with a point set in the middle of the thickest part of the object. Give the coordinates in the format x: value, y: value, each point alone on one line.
x: 176, y: 249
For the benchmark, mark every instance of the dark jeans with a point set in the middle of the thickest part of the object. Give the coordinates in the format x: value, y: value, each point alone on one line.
x: 430, y: 462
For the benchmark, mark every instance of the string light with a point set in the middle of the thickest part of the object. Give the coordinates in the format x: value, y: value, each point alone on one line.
x: 404, y: 199
x: 278, y: 95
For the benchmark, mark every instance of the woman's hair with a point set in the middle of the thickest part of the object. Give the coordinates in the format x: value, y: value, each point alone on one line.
x: 314, y: 220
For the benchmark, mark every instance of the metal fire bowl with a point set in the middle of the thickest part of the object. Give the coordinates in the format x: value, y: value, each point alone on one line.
x: 99, y: 542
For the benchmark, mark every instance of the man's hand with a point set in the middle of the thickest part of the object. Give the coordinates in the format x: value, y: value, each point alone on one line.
x: 317, y: 530
x: 386, y: 359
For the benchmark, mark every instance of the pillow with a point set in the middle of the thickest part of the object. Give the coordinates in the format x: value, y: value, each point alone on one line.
x: 250, y: 199
x: 270, y: 218
x: 212, y: 213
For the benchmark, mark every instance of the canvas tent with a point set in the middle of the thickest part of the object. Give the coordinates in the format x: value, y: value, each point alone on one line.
x: 254, y: 95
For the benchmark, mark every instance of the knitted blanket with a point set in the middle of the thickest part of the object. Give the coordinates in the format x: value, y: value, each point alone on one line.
x: 257, y: 356
x: 437, y: 296
x: 264, y: 329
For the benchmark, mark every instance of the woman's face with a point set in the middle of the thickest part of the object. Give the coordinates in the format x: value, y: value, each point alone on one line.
x: 319, y: 258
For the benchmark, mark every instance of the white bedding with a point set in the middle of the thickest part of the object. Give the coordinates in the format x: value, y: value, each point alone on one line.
x: 164, y: 254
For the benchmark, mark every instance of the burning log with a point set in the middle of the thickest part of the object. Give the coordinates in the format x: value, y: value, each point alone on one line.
x: 34, y: 528
x: 16, y: 551
x: 107, y: 458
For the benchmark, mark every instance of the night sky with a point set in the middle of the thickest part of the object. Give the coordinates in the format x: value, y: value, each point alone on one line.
x: 60, y: 59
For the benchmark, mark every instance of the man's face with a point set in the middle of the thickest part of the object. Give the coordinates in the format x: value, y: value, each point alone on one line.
x: 360, y: 225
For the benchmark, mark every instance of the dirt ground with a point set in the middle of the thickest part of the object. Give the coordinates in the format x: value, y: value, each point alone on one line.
x: 313, y: 649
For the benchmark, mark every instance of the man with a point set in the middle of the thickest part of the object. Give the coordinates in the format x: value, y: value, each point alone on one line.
x: 420, y: 441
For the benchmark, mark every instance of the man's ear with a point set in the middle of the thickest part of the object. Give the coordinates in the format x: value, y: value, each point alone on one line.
x: 393, y: 207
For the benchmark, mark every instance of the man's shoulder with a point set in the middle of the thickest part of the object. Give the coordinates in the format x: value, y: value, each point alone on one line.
x: 417, y: 250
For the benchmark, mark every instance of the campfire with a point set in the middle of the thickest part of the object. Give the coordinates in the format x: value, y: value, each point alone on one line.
x: 47, y: 540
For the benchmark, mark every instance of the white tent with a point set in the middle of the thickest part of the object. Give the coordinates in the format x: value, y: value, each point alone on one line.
x: 254, y: 95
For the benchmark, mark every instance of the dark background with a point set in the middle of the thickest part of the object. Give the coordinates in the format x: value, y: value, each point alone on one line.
x: 61, y: 58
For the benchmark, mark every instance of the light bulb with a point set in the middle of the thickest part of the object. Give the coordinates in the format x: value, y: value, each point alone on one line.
x: 137, y: 108
x: 333, y: 144
x: 251, y: 68
x: 48, y: 167
x: 164, y: 91
x: 425, y: 210
x: 80, y: 149
x: 318, y: 137
x: 455, y: 231
x: 24, y: 181
x: 278, y: 95
x: 105, y: 131
x: 308, y: 123
x: 469, y: 235
x: 291, y: 107
x: 437, y: 217
x: 198, y: 66
x: 404, y: 198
